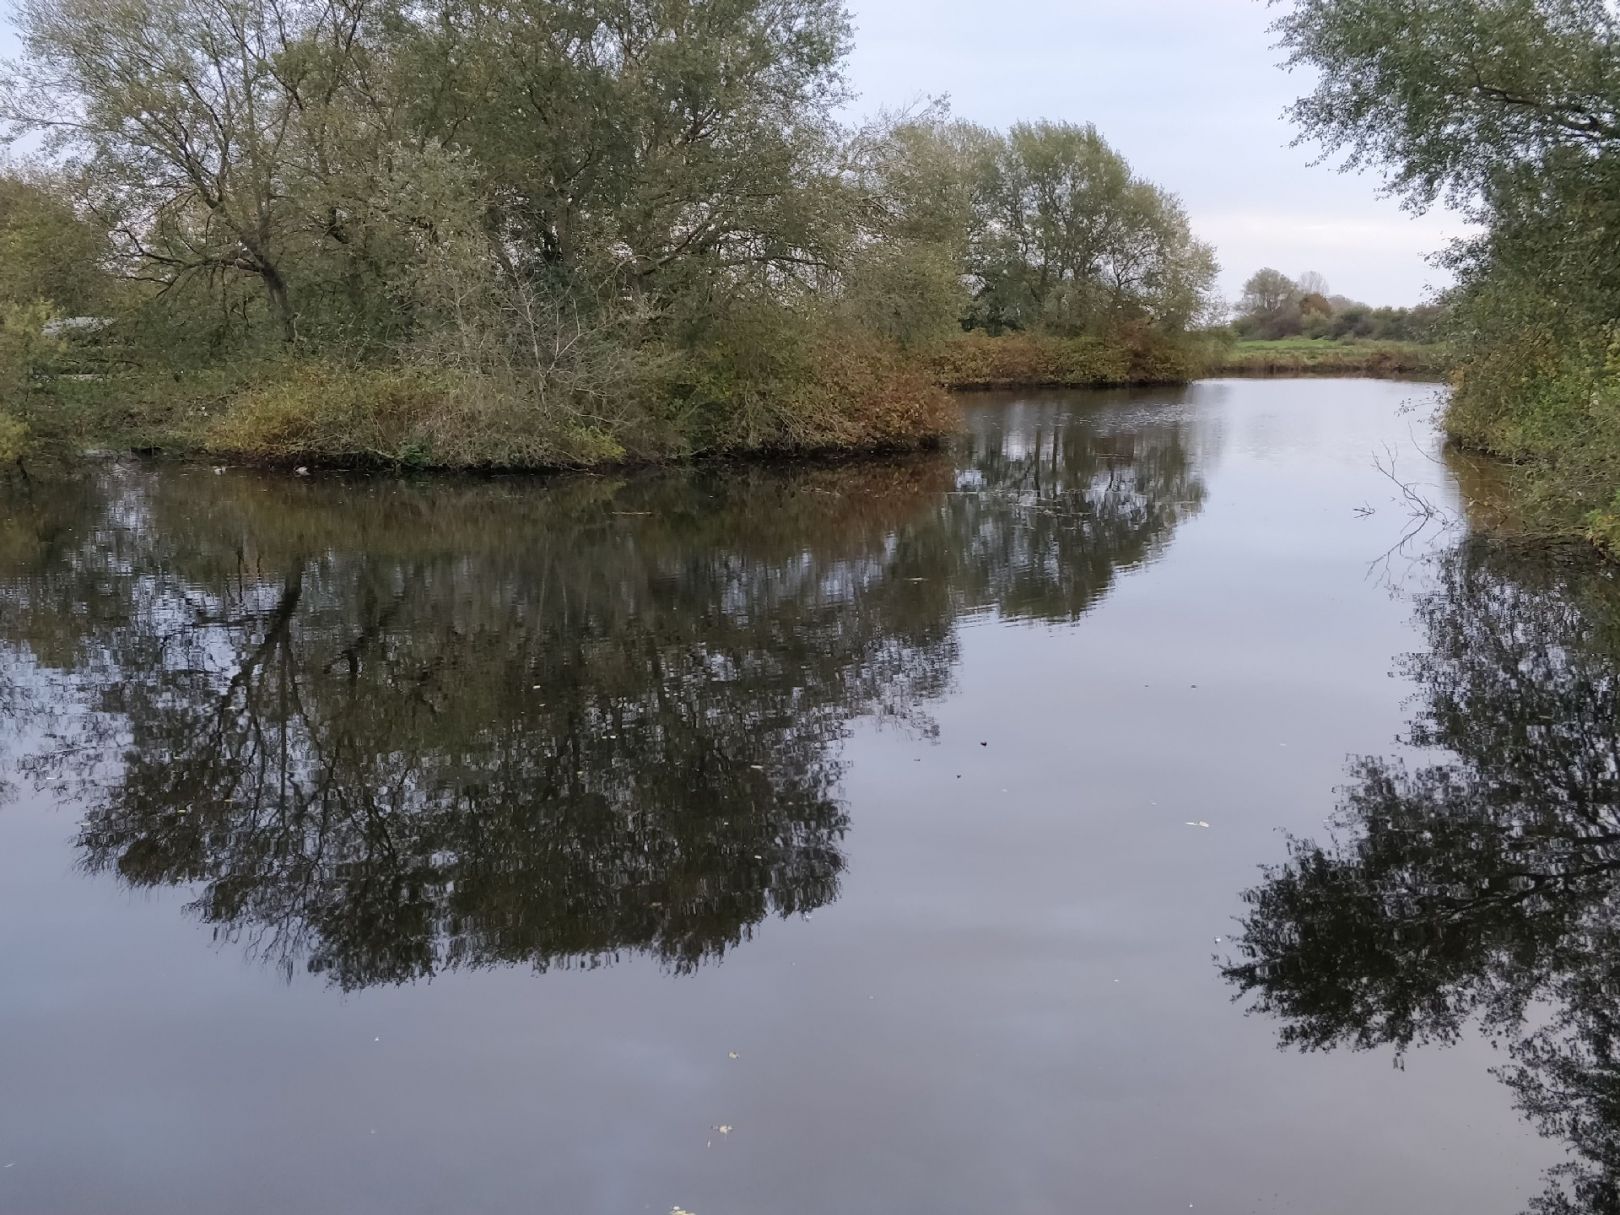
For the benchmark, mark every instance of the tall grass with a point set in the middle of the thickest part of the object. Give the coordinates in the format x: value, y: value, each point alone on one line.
x: 1035, y: 360
x: 844, y: 395
x: 1549, y: 407
x: 1316, y: 356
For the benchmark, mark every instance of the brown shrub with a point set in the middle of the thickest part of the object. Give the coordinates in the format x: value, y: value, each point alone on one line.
x: 1033, y: 360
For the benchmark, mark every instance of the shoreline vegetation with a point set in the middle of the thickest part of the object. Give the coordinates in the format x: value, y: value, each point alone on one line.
x: 557, y: 234
x: 1509, y: 114
x: 534, y: 234
x: 1326, y: 357
x: 307, y: 232
x: 291, y: 413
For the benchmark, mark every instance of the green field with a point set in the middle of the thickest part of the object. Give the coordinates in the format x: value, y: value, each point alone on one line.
x: 1319, y: 356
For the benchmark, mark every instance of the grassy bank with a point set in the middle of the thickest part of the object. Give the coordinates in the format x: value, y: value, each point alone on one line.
x: 1033, y: 360
x: 1325, y: 357
x: 1549, y: 413
x: 1024, y: 360
x: 822, y: 392
x: 817, y: 393
x: 809, y: 397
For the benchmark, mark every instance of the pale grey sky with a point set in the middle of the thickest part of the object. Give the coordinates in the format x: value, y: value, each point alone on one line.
x: 1188, y: 90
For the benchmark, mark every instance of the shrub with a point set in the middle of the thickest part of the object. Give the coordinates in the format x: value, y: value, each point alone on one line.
x: 13, y: 440
x: 778, y: 382
x: 863, y: 393
x: 26, y: 352
x: 321, y: 413
x: 1024, y: 360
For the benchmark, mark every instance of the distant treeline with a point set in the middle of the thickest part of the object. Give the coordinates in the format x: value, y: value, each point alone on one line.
x: 1275, y: 306
x: 530, y: 232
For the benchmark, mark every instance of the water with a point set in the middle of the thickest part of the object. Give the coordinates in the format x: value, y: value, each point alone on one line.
x: 759, y: 839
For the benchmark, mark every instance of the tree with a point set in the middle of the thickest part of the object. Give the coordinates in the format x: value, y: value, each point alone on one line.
x: 1481, y: 884
x: 1312, y: 283
x: 914, y: 175
x: 1509, y: 110
x: 1267, y: 293
x: 204, y: 129
x: 612, y: 226
x: 1066, y: 236
x: 1449, y: 93
x: 1270, y: 305
x: 48, y: 252
x: 651, y: 143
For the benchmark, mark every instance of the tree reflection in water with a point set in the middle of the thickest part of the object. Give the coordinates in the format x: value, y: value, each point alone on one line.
x: 384, y: 729
x: 1481, y: 886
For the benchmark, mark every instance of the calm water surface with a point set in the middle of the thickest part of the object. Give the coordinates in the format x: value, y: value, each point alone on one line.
x: 958, y: 833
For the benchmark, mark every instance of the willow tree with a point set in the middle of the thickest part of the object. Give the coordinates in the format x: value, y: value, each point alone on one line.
x: 629, y: 140
x: 204, y: 129
x: 48, y: 251
x: 1510, y: 111
x: 1069, y: 237
x: 1473, y: 882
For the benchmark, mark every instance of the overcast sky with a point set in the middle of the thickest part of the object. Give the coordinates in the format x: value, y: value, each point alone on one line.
x: 1188, y: 90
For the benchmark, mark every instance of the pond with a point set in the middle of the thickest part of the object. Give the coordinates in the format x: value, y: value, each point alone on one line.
x: 1146, y: 805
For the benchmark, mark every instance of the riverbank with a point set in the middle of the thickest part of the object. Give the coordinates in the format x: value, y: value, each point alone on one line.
x: 291, y: 412
x: 1553, y: 429
x: 830, y: 398
x: 1033, y: 360
x: 1319, y: 357
x: 821, y: 395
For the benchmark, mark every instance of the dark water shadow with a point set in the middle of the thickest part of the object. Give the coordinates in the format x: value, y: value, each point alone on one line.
x: 380, y: 729
x: 1473, y: 882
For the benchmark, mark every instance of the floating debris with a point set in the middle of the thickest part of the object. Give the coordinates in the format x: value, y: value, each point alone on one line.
x: 1197, y: 823
x: 731, y: 1054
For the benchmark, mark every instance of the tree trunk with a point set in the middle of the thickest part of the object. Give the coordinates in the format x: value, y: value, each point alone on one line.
x: 280, y: 303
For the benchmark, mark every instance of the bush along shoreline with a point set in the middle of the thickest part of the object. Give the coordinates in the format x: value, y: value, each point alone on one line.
x: 1509, y: 116
x: 1305, y: 357
x: 287, y: 413
x: 545, y: 233
x: 815, y: 398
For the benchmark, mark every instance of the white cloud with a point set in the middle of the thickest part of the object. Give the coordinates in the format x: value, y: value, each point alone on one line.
x: 1382, y: 259
x: 1190, y: 92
